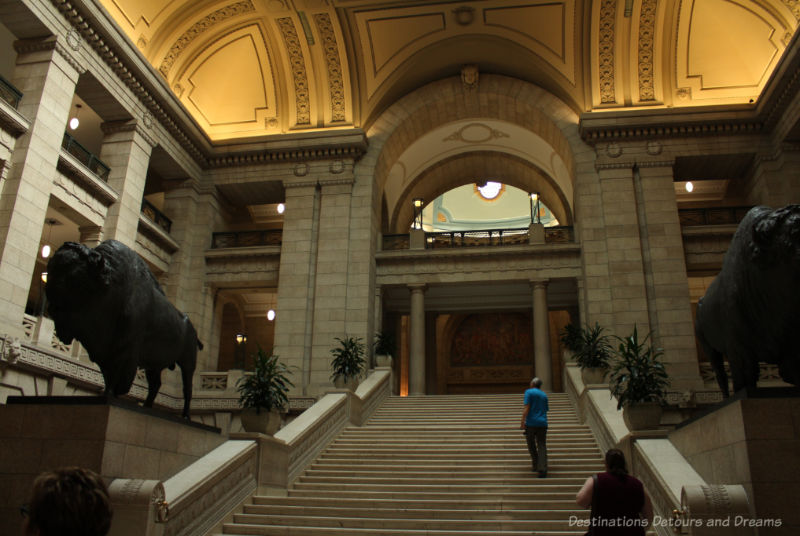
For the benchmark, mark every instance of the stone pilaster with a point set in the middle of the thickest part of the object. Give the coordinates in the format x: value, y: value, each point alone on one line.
x: 296, y: 284
x: 542, y: 360
x: 667, y: 283
x: 47, y: 76
x: 193, y: 214
x: 90, y: 235
x: 126, y: 150
x: 416, y: 375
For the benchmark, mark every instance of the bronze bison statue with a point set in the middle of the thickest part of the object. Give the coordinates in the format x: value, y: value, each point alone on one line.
x: 751, y: 311
x: 108, y: 299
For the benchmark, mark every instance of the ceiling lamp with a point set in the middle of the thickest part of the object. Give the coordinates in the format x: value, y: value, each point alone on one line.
x: 271, y: 315
x: 74, y: 122
x: 490, y: 189
x: 689, y: 186
x: 46, y: 247
x: 281, y: 208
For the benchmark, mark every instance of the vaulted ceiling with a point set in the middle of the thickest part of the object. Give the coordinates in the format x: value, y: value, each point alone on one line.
x: 252, y: 68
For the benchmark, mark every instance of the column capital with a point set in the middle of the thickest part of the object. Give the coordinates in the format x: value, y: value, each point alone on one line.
x: 539, y: 283
x: 417, y: 287
x: 125, y: 125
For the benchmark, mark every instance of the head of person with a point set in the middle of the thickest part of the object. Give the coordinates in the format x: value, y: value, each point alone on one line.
x: 615, y: 462
x: 536, y: 382
x: 71, y: 501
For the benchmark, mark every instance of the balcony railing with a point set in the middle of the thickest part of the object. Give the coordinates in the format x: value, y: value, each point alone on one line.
x: 243, y: 239
x: 9, y: 93
x: 490, y: 237
x: 85, y: 157
x: 712, y: 216
x: 156, y: 216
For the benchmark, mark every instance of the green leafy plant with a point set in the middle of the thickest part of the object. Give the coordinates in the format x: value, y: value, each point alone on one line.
x: 572, y: 337
x: 637, y: 373
x: 348, y: 358
x: 595, y: 348
x: 267, y: 386
x: 384, y: 343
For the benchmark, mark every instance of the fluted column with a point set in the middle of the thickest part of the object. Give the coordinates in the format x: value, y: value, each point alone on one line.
x: 416, y: 374
x: 541, y: 334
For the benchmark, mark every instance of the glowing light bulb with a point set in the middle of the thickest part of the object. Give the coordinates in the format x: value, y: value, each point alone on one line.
x: 73, y: 123
x: 689, y: 186
x: 281, y: 208
x: 45, y: 251
x: 271, y: 315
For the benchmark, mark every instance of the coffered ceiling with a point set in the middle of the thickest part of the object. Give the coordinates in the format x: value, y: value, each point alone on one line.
x: 253, y: 68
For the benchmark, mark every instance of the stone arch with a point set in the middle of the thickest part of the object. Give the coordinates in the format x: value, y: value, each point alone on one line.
x: 455, y: 171
x: 448, y: 101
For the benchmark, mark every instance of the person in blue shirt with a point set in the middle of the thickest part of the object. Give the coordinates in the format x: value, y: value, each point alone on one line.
x: 534, y: 422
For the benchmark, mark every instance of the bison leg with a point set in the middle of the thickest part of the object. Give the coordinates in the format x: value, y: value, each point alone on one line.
x: 717, y: 362
x: 153, y: 385
x: 186, y: 376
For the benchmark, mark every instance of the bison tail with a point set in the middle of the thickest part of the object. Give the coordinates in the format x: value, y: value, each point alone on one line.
x: 199, y: 344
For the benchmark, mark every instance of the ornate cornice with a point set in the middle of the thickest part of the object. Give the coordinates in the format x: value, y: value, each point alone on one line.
x: 27, y: 46
x: 298, y: 64
x: 113, y: 127
x: 114, y: 58
x: 648, y: 128
x: 334, y: 65
x: 288, y: 155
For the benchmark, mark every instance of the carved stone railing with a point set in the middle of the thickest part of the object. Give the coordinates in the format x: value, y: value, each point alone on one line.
x: 473, y: 238
x: 244, y: 239
x: 158, y: 217
x: 652, y: 457
x: 712, y: 216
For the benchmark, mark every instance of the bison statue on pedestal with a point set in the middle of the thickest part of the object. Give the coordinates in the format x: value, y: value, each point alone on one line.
x: 108, y: 299
x: 751, y: 311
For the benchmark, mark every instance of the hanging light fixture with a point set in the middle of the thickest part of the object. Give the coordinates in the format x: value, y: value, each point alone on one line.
x: 689, y: 186
x: 271, y: 315
x: 46, y: 247
x: 418, y: 202
x: 281, y: 208
x: 74, y: 122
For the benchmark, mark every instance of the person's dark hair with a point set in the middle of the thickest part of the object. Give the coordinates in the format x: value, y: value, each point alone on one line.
x: 71, y: 501
x: 615, y: 463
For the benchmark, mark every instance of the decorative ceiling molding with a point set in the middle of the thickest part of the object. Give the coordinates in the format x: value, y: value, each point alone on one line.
x: 647, y: 33
x: 198, y: 28
x: 605, y: 64
x: 334, y: 66
x: 298, y: 66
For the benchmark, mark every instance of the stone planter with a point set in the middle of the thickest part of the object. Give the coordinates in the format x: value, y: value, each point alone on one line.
x: 643, y: 416
x: 350, y: 384
x: 266, y: 422
x: 383, y: 360
x: 591, y: 376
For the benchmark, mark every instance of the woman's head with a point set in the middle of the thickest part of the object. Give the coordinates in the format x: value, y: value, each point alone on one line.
x: 615, y: 462
x: 69, y: 502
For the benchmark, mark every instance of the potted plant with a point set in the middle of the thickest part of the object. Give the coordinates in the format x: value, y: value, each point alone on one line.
x: 639, y: 381
x: 572, y: 337
x: 262, y: 394
x: 348, y: 362
x: 593, y: 354
x: 384, y: 349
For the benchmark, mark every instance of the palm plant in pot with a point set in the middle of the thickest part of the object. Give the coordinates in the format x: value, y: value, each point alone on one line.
x: 593, y: 354
x: 348, y: 363
x: 384, y: 349
x: 639, y: 381
x: 571, y: 337
x: 262, y: 394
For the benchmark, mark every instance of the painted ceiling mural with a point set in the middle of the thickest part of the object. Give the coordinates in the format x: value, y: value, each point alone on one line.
x: 251, y: 68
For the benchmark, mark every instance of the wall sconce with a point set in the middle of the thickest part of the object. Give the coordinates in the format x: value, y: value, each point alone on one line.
x: 74, y: 122
x: 418, y: 202
x: 44, y: 277
x: 271, y: 315
x: 535, y: 201
x: 241, y: 339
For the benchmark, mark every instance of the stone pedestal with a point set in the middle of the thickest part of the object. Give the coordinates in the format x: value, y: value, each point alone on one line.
x: 752, y: 440
x: 116, y: 439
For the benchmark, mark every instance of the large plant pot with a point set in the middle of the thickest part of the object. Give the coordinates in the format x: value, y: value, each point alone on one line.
x: 591, y: 376
x: 383, y: 360
x: 266, y: 422
x: 643, y: 416
x: 350, y: 384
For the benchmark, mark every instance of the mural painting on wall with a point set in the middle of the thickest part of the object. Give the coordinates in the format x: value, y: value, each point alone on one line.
x: 492, y: 339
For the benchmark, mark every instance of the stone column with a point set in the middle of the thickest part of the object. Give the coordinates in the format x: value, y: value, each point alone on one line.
x: 416, y: 375
x: 543, y: 367
x: 46, y: 74
x: 667, y: 283
x: 91, y: 235
x: 293, y: 325
x: 126, y: 150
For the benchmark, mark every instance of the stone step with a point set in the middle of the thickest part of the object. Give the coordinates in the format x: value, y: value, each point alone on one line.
x: 481, y: 503
x: 565, y: 485
x: 530, y: 495
x: 389, y: 511
x: 278, y: 530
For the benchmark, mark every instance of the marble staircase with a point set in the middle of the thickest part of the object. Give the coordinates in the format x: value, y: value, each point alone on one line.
x: 435, y: 465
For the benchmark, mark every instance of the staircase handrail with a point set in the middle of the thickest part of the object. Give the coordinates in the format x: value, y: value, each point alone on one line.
x: 664, y: 471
